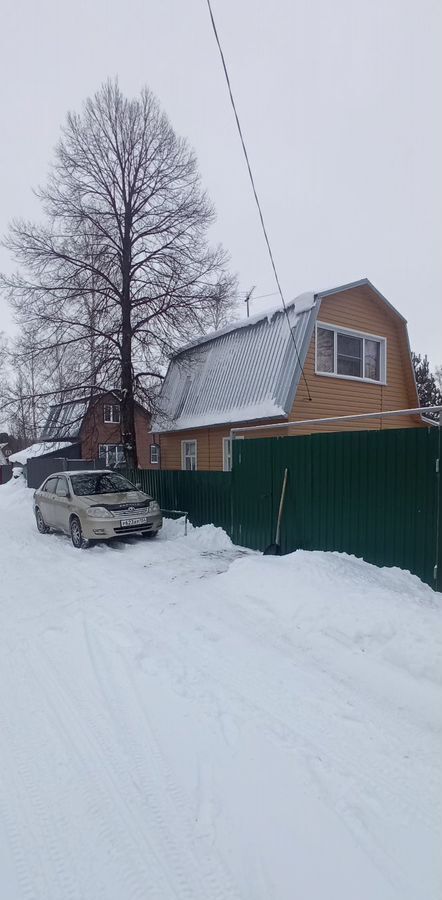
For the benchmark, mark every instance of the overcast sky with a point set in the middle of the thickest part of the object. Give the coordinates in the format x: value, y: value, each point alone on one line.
x: 341, y: 109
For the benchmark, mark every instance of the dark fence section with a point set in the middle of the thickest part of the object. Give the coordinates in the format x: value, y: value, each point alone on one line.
x: 38, y: 468
x: 377, y: 495
x: 5, y: 473
x: 206, y: 496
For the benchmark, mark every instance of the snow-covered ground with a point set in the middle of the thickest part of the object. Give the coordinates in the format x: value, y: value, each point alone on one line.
x: 180, y: 719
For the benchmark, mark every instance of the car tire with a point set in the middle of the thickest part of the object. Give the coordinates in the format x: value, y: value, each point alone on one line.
x: 77, y: 535
x: 41, y: 525
x: 149, y: 534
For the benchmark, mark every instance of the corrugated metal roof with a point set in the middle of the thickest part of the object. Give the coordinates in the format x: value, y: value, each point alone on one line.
x: 245, y: 372
x: 65, y: 420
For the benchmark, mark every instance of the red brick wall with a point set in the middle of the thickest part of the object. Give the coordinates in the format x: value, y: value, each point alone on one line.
x: 96, y: 431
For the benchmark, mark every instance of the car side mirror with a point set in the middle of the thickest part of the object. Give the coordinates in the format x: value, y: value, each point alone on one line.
x: 138, y: 485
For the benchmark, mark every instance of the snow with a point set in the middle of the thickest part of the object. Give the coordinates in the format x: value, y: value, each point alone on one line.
x: 267, y: 409
x: 303, y: 303
x: 38, y: 449
x: 184, y: 720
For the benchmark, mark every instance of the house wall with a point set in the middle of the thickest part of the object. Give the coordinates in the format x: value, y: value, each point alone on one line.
x: 359, y: 309
x: 96, y: 431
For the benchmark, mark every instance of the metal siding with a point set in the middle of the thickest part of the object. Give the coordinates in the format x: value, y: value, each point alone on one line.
x: 251, y: 367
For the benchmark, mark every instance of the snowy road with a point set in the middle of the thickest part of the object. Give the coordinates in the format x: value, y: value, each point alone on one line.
x: 182, y: 721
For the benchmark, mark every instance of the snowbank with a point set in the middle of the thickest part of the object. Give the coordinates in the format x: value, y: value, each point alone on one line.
x: 184, y: 719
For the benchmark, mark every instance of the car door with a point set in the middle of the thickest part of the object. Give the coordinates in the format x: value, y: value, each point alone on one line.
x: 62, y: 505
x: 47, y: 501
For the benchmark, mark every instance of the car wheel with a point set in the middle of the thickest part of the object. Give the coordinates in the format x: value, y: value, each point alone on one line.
x: 77, y: 534
x: 42, y: 527
x: 149, y: 534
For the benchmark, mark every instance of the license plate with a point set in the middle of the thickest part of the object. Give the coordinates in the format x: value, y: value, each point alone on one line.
x: 141, y: 520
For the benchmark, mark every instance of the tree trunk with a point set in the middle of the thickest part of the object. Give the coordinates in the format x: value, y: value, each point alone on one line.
x: 127, y: 387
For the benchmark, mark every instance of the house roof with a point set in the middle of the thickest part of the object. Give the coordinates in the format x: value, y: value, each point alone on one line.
x: 247, y: 371
x: 65, y: 420
x: 34, y: 450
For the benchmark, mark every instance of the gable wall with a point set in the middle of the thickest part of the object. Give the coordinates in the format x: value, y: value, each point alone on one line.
x: 362, y: 310
x: 96, y: 431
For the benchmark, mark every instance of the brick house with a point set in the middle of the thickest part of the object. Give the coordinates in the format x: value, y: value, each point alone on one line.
x: 94, y: 425
x: 351, y: 343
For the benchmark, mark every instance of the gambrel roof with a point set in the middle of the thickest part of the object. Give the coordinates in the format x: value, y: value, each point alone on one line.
x: 247, y: 371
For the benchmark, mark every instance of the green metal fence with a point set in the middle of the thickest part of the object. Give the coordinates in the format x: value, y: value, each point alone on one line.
x: 373, y: 494
x: 206, y: 496
x: 376, y: 495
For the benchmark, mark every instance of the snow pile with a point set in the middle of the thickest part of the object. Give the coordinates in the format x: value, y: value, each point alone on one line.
x: 38, y: 449
x: 181, y: 718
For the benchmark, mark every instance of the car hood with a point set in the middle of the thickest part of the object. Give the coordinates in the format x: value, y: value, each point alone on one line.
x: 122, y: 498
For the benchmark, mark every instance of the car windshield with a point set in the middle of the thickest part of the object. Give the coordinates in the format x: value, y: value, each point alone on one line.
x: 100, y: 483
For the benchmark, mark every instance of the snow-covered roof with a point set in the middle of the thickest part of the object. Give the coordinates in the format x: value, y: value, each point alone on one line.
x: 247, y: 371
x: 39, y: 449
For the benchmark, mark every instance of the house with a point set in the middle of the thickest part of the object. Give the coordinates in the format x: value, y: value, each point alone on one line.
x: 93, y: 426
x: 349, y: 355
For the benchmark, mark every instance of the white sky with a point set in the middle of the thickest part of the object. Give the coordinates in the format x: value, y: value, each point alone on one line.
x: 340, y: 103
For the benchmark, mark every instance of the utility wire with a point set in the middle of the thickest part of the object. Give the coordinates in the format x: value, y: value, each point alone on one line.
x: 255, y: 193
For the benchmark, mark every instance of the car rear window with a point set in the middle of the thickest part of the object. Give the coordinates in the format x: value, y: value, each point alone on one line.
x: 100, y: 483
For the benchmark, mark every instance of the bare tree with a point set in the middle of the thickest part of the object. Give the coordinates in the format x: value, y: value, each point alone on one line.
x: 122, y: 271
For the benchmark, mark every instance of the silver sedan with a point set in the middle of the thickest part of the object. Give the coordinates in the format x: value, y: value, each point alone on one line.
x: 94, y: 505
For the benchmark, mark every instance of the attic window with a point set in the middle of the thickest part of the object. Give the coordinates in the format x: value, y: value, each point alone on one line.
x: 111, y: 413
x: 342, y: 353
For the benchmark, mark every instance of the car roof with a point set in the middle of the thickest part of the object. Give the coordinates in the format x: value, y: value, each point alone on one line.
x: 81, y: 472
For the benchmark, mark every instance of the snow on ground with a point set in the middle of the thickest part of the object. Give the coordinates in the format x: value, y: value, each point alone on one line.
x: 184, y: 720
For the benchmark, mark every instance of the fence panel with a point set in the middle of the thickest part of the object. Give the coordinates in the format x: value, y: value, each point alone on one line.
x: 205, y: 496
x: 376, y: 495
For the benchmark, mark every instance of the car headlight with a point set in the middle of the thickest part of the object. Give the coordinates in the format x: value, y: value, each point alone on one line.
x: 99, y: 512
x: 154, y: 506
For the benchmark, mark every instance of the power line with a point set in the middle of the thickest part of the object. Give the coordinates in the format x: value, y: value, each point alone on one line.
x: 255, y: 193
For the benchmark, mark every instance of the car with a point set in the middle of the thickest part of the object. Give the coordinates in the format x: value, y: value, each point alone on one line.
x: 94, y: 505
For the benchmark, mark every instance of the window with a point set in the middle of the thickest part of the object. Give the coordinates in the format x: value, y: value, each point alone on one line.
x: 188, y: 456
x: 100, y: 483
x: 111, y: 413
x: 62, y: 489
x: 348, y: 354
x: 227, y: 454
x: 111, y: 454
x: 51, y: 485
x: 154, y: 454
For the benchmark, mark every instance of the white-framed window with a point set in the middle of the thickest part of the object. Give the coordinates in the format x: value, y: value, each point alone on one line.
x: 111, y: 413
x: 189, y: 456
x: 343, y: 353
x: 111, y: 454
x: 227, y: 451
x: 155, y: 454
x: 227, y: 454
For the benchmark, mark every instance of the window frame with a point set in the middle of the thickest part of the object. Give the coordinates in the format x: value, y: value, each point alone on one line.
x: 155, y: 462
x: 111, y: 421
x: 183, y: 455
x: 112, y: 444
x: 351, y: 332
x: 227, y: 442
